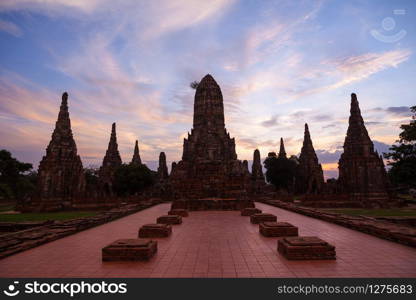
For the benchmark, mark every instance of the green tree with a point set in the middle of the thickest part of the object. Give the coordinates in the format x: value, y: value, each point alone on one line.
x: 132, y: 179
x: 280, y: 171
x: 402, y: 157
x: 91, y: 176
x: 16, y: 179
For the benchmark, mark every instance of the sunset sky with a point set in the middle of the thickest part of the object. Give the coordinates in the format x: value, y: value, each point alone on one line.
x: 279, y: 64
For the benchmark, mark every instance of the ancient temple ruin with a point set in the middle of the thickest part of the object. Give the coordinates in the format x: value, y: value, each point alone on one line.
x: 309, y: 175
x: 257, y: 176
x: 361, y: 169
x: 282, y: 151
x: 111, y: 162
x: 136, y: 160
x: 61, y: 175
x: 209, y: 165
x: 257, y: 170
x: 162, y: 170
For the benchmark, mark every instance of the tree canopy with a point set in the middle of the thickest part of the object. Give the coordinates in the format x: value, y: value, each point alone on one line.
x: 131, y: 179
x: 16, y: 178
x: 402, y: 157
x: 280, y: 171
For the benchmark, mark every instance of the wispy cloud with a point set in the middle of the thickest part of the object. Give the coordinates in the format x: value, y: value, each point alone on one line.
x: 10, y: 28
x: 346, y: 70
x: 394, y: 110
x: 131, y: 62
x: 360, y: 67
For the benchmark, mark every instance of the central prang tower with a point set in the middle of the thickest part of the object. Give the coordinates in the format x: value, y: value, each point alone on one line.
x: 209, y: 165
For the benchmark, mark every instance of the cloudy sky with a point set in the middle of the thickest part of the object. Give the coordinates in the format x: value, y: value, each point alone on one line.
x: 279, y: 64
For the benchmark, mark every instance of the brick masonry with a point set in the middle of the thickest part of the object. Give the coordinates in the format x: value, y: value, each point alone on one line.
x: 305, y: 248
x: 22, y: 240
x: 277, y: 229
x: 248, y: 211
x: 383, y: 229
x: 258, y: 218
x: 155, y: 231
x: 169, y: 219
x: 129, y: 250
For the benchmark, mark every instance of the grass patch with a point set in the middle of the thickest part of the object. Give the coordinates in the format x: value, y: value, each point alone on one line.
x: 45, y: 216
x: 382, y: 212
x: 6, y: 207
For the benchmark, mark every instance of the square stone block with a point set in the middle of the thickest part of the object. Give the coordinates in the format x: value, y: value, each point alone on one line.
x: 305, y: 248
x: 169, y: 219
x: 248, y: 211
x: 129, y: 250
x: 275, y: 229
x: 260, y: 218
x: 155, y: 231
x: 178, y: 212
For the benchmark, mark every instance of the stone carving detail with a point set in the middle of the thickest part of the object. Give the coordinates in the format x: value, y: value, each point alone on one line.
x: 61, y: 175
x: 136, y: 160
x: 361, y: 170
x: 209, y: 165
x: 111, y: 162
x: 309, y: 174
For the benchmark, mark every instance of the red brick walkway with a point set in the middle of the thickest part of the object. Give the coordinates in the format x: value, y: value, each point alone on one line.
x: 214, y: 244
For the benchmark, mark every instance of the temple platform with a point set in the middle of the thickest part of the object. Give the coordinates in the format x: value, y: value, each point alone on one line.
x: 212, y: 204
x: 215, y: 244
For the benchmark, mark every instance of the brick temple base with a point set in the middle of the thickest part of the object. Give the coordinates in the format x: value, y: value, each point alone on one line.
x: 178, y: 212
x: 259, y: 218
x: 129, y: 250
x: 276, y: 229
x: 155, y: 231
x: 212, y: 204
x: 248, y: 211
x: 169, y: 219
x: 305, y: 248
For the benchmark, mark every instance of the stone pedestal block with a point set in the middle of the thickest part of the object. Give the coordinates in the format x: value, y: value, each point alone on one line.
x: 305, y: 248
x: 276, y: 229
x: 248, y: 211
x: 169, y: 219
x: 178, y: 212
x: 259, y: 218
x: 129, y: 250
x: 155, y: 231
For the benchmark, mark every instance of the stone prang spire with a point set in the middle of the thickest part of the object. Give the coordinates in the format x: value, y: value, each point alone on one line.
x: 257, y: 170
x: 136, y: 160
x: 111, y: 162
x: 162, y: 170
x: 208, y: 105
x: 282, y: 151
x: 209, y: 165
x: 361, y: 170
x: 309, y: 175
x: 61, y: 175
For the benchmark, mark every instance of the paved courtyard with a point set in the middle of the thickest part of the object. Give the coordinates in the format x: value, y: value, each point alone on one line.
x: 214, y: 244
